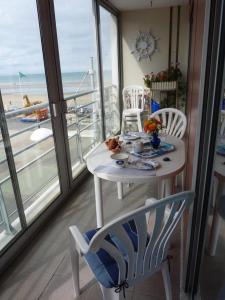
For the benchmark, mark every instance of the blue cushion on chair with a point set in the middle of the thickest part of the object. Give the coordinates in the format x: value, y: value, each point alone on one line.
x: 102, y: 264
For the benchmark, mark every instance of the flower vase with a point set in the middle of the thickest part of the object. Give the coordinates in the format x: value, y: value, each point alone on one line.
x: 155, y: 140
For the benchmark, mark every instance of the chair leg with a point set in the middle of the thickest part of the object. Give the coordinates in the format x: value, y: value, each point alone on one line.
x: 161, y: 189
x: 167, y: 280
x: 75, y: 267
x: 109, y: 294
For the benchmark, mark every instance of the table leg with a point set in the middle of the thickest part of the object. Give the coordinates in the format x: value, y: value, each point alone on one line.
x: 161, y: 187
x: 216, y: 222
x: 98, y: 201
x: 169, y: 185
x: 120, y: 190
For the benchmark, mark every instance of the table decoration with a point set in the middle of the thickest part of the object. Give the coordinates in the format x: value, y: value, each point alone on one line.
x: 113, y: 145
x: 152, y: 127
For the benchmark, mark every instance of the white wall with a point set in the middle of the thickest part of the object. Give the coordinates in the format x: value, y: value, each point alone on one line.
x: 156, y: 20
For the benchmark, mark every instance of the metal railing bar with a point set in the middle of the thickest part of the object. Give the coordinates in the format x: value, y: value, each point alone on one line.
x: 78, y: 95
x: 86, y: 116
x: 46, y: 152
x: 38, y: 124
x: 29, y: 163
x: 35, y: 144
x: 27, y: 148
x: 25, y: 110
x: 29, y: 198
x: 89, y: 125
x: 85, y: 105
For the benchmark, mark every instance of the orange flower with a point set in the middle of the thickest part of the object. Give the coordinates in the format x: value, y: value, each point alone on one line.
x: 152, y: 127
x: 146, y: 122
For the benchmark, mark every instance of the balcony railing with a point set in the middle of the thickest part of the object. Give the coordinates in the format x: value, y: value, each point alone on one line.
x: 80, y: 118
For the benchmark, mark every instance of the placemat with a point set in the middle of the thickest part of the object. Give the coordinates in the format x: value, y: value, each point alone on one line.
x: 163, y: 149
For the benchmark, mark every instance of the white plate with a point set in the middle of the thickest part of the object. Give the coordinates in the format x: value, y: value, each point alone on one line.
x: 120, y: 156
x: 130, y: 138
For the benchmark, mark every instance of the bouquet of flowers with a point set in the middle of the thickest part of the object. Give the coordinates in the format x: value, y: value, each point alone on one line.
x: 152, y: 126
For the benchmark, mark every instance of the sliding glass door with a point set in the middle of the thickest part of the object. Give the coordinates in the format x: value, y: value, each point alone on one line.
x: 77, y: 52
x: 110, y: 72
x: 51, y: 101
x: 26, y: 109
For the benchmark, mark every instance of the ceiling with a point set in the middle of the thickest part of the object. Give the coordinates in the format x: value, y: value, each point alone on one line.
x: 145, y: 4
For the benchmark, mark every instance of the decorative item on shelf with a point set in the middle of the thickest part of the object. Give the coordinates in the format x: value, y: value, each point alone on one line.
x: 152, y: 127
x: 145, y: 45
x: 164, y: 79
x: 169, y: 83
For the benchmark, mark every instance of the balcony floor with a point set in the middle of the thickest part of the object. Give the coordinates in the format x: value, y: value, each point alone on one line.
x: 43, y: 271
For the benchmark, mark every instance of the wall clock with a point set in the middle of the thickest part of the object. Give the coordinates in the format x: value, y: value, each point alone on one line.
x: 145, y: 45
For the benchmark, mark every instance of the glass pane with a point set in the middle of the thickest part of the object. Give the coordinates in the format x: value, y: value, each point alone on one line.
x: 108, y: 26
x: 23, y: 86
x: 212, y: 278
x: 9, y: 219
x: 77, y: 49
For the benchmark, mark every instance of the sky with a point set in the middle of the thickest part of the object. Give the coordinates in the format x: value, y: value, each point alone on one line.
x: 20, y: 48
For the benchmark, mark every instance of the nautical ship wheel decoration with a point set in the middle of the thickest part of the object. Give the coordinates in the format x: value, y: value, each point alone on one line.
x: 145, y: 45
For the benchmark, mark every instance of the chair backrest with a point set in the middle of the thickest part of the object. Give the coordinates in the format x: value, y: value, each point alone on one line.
x: 222, y: 128
x: 174, y: 121
x: 151, y: 250
x: 133, y: 97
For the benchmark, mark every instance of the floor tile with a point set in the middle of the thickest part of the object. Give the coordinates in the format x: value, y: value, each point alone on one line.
x: 25, y: 286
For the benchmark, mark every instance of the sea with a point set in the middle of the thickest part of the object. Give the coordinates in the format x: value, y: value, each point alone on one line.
x: 35, y: 84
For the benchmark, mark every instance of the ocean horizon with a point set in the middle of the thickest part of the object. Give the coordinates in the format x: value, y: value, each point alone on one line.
x: 35, y: 84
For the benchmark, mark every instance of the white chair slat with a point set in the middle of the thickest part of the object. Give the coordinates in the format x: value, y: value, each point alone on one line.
x: 170, y: 114
x: 164, y: 119
x: 153, y: 262
x: 177, y: 127
x: 142, y: 234
x: 159, y: 215
x: 165, y: 241
x: 171, y: 131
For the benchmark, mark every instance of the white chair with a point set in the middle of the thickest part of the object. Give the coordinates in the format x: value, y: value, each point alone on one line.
x: 128, y: 250
x: 174, y: 121
x: 133, y: 106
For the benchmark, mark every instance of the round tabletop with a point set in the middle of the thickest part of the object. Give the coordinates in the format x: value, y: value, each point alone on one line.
x: 99, y: 163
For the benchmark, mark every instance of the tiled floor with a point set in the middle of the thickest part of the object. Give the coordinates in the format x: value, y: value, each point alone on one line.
x: 44, y: 272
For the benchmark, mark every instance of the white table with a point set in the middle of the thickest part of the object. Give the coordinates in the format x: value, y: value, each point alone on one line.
x: 99, y: 159
x: 219, y: 187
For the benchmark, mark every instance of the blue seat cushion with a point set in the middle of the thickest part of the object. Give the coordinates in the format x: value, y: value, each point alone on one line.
x: 102, y: 264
